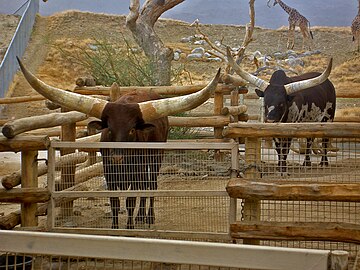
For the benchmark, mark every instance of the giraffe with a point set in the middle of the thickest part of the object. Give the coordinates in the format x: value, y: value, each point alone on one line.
x: 296, y: 19
x: 355, y: 28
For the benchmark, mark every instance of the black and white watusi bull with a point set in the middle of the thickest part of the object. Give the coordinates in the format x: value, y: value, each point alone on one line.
x: 309, y: 97
x: 135, y: 117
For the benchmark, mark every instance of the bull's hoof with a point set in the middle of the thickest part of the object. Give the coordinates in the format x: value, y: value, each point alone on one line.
x: 307, y: 164
x: 282, y: 173
x: 324, y: 164
x: 130, y: 226
x: 150, y: 220
x: 140, y: 220
x: 114, y: 226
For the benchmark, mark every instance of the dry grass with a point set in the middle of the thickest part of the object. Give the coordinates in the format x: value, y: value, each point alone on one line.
x: 347, y: 73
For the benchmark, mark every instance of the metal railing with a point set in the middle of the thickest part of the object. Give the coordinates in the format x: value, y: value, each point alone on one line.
x: 9, y: 65
x: 78, y: 251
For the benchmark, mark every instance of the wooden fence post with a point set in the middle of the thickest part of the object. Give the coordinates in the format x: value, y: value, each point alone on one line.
x: 251, y: 207
x: 68, y: 133
x: 218, y: 105
x: 234, y: 174
x: 234, y: 101
x: 91, y: 154
x: 29, y: 179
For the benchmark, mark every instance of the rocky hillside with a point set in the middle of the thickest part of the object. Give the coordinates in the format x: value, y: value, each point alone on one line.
x: 73, y: 31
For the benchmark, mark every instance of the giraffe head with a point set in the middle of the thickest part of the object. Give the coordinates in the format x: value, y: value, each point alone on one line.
x: 276, y: 2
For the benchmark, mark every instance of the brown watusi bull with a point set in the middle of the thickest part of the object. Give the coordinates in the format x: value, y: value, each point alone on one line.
x: 136, y: 117
x: 309, y: 97
x: 135, y: 169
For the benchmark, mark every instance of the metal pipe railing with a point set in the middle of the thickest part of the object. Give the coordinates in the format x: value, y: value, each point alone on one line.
x: 17, y: 46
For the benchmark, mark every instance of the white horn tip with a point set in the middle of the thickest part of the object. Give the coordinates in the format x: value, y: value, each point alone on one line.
x: 228, y: 53
x: 217, y: 76
x: 20, y: 63
x: 330, y: 63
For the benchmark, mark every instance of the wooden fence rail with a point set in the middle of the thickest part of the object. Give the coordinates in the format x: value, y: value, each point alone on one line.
x: 296, y: 231
x: 294, y: 191
x: 299, y: 130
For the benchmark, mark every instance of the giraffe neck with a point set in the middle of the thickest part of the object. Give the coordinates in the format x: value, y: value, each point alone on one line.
x: 284, y: 6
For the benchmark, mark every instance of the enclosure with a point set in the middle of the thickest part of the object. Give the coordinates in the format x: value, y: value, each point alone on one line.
x: 191, y: 201
x: 218, y: 191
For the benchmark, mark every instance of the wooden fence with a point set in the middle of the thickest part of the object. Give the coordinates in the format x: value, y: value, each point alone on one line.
x: 257, y: 188
x: 250, y: 228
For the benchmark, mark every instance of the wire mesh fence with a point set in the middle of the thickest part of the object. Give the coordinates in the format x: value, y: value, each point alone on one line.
x: 338, y: 161
x: 309, y: 161
x: 176, y: 187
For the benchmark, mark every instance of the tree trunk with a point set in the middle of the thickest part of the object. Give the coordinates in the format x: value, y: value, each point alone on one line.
x: 141, y: 24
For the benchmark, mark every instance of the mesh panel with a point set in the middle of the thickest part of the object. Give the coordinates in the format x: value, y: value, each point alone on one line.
x: 339, y: 163
x: 186, y: 188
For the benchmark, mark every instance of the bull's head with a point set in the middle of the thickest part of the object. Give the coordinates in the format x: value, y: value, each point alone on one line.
x: 136, y: 113
x: 277, y: 97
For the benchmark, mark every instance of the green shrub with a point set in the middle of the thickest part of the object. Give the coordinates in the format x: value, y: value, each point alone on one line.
x: 109, y: 63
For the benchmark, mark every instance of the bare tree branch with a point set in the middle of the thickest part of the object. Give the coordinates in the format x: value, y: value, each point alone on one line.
x: 239, y: 55
x: 134, y: 12
x: 206, y: 38
x: 249, y: 31
x: 247, y: 39
x: 141, y: 23
x: 153, y: 9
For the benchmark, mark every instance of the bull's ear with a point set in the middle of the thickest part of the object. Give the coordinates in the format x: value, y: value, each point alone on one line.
x: 290, y: 98
x: 146, y: 127
x: 98, y: 125
x: 259, y: 92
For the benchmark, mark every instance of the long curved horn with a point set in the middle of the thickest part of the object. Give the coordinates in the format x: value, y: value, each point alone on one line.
x: 73, y: 101
x: 262, y: 84
x: 301, y: 85
x: 155, y: 109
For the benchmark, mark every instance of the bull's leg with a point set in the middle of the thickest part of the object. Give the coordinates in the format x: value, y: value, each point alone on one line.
x: 282, y: 147
x: 141, y: 215
x: 279, y: 152
x: 114, y: 201
x: 130, y: 206
x: 155, y: 164
x: 285, y: 151
x: 115, y: 207
x: 143, y: 174
x: 151, y: 214
x: 307, y: 161
x: 324, y: 158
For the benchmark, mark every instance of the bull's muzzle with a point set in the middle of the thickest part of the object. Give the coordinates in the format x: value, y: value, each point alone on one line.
x: 269, y: 121
x: 116, y: 156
